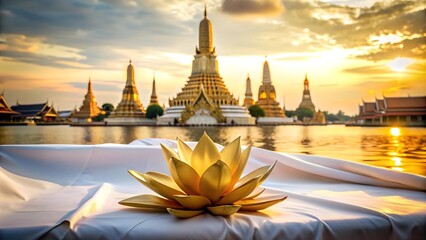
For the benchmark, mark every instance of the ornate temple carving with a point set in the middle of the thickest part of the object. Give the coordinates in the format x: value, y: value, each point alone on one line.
x: 306, y: 99
x: 130, y: 105
x: 202, y: 108
x: 89, y: 109
x: 267, y: 96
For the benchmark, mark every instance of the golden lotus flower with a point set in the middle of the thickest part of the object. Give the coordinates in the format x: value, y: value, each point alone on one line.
x: 204, y: 179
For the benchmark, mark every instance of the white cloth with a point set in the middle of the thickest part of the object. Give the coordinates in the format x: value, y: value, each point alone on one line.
x: 72, y: 191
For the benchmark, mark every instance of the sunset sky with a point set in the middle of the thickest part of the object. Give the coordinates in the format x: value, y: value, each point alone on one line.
x: 351, y: 50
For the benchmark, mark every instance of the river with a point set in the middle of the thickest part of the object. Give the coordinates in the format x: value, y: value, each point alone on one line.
x: 399, y: 149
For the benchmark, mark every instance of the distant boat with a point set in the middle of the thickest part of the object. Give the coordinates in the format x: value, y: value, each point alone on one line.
x: 30, y: 122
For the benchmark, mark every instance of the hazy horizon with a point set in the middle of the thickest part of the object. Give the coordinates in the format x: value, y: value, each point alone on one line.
x: 350, y: 50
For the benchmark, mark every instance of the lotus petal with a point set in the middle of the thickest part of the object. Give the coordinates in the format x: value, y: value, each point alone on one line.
x: 266, y: 175
x: 164, y: 184
x: 224, y: 210
x: 184, y: 213
x: 162, y: 178
x: 185, y: 176
x: 240, y: 168
x: 262, y: 171
x: 255, y: 194
x: 149, y: 201
x: 185, y: 152
x: 240, y: 192
x: 231, y: 154
x: 193, y: 202
x: 204, y: 155
x: 168, y: 152
x: 215, y: 180
x: 260, y: 203
x: 141, y: 178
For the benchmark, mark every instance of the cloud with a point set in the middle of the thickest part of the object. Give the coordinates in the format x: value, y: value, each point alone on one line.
x: 367, y: 70
x: 415, y: 69
x: 95, y: 29
x: 99, y: 85
x: 253, y: 7
x: 326, y: 25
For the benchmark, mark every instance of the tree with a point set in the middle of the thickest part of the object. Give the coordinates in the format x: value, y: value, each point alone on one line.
x: 289, y: 113
x: 302, y: 113
x: 339, y: 117
x: 256, y: 111
x: 108, y: 107
x: 153, y: 111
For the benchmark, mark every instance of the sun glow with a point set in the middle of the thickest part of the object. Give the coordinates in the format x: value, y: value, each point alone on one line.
x: 385, y: 39
x: 399, y: 64
x: 395, y: 132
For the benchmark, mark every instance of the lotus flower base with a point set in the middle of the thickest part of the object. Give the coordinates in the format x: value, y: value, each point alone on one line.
x: 204, y: 180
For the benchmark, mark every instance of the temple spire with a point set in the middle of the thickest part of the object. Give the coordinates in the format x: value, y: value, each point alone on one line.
x: 89, y: 108
x: 154, y: 98
x: 306, y: 98
x: 89, y: 86
x: 267, y: 95
x: 248, y: 100
x: 205, y: 35
x: 130, y: 74
x: 266, y: 73
x: 130, y: 105
x: 306, y: 83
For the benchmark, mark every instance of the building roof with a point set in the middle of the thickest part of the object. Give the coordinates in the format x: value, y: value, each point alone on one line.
x: 393, y: 106
x: 380, y: 104
x: 32, y: 110
x: 28, y: 110
x: 66, y: 113
x: 405, y: 102
x: 369, y: 107
x: 4, y: 107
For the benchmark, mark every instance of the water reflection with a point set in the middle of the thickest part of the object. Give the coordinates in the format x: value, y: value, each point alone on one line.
x: 267, y: 137
x: 248, y: 138
x: 306, y: 139
x: 129, y: 133
x: 396, y: 148
x: 401, y: 149
x: 395, y: 131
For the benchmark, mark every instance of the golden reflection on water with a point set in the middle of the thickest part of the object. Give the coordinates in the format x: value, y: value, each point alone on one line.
x: 395, y: 131
x: 400, y: 149
x: 394, y: 153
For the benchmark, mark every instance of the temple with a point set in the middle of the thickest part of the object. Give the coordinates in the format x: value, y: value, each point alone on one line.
x: 404, y: 111
x: 130, y: 110
x: 89, y: 109
x: 205, y: 81
x: 319, y: 118
x: 248, y: 99
x: 306, y: 99
x: 267, y: 96
x: 154, y: 98
x: 6, y: 112
x: 41, y: 112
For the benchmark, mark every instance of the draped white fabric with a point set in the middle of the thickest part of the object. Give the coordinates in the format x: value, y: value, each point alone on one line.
x: 71, y: 191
